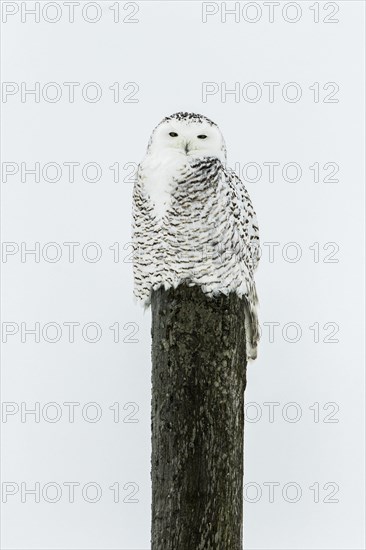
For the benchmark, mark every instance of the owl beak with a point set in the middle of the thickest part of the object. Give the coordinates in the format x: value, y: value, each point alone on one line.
x: 186, y: 148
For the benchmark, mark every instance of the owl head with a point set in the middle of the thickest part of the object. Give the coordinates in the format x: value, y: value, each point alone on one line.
x: 188, y: 134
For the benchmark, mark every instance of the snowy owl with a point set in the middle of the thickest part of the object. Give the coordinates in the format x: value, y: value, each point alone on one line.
x: 193, y: 220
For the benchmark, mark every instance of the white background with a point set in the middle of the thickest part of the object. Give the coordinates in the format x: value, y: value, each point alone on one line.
x: 169, y: 53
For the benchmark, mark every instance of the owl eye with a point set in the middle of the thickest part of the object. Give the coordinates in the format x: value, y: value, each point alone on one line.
x: 173, y: 134
x: 202, y: 136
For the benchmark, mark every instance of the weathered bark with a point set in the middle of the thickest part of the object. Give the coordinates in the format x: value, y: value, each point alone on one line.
x: 198, y: 383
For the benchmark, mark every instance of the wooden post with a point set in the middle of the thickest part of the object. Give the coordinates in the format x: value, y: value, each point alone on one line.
x: 198, y: 383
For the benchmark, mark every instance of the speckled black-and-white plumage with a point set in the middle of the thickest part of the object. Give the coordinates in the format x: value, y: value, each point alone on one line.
x: 193, y: 220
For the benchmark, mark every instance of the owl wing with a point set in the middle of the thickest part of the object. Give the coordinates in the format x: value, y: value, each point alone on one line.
x: 246, y: 240
x: 142, y: 237
x: 246, y: 218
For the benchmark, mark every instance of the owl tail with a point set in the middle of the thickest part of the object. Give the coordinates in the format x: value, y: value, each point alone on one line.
x: 251, y: 326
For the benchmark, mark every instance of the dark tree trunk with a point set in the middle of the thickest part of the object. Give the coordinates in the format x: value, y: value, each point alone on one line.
x: 198, y: 383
